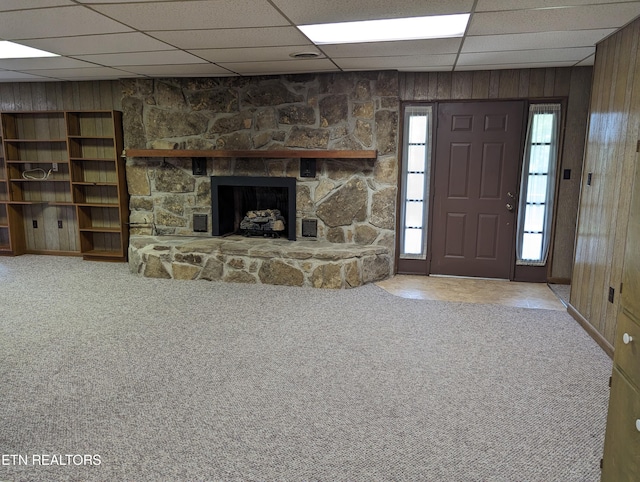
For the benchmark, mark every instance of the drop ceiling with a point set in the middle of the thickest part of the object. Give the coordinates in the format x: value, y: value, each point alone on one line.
x: 110, y: 39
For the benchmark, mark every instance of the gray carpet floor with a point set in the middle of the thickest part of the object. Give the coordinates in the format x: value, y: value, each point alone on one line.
x: 195, y: 380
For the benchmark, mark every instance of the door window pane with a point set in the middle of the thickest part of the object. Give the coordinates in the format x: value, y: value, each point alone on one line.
x: 415, y: 181
x: 537, y: 186
x: 412, y: 241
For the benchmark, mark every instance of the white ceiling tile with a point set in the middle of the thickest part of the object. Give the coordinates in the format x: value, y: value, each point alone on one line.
x: 252, y: 54
x: 9, y: 76
x: 497, y: 5
x: 201, y: 14
x: 388, y: 49
x: 554, y: 19
x: 90, y: 2
x: 304, y: 12
x: 542, y: 40
x: 98, y: 44
x: 408, y: 62
x: 7, y: 5
x: 520, y: 65
x: 281, y: 67
x: 255, y: 37
x: 56, y: 22
x: 42, y: 63
x: 481, y: 59
x: 173, y: 57
x: 232, y: 37
x: 188, y: 70
x: 588, y: 61
x: 103, y: 72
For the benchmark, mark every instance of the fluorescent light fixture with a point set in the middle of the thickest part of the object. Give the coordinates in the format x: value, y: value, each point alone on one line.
x: 10, y: 50
x: 387, y: 30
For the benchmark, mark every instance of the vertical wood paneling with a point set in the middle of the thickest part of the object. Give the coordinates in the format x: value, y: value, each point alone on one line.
x: 549, y: 82
x: 523, y: 83
x: 444, y: 85
x: 614, y: 129
x: 572, y: 157
x: 509, y: 83
x: 494, y: 84
x: 481, y: 84
x: 462, y: 85
x: 36, y: 96
x: 536, y: 83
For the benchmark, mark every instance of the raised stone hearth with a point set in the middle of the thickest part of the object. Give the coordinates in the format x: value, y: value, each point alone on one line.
x: 317, y: 264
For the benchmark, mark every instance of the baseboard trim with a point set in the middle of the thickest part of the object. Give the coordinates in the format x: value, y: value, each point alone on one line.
x: 589, y: 328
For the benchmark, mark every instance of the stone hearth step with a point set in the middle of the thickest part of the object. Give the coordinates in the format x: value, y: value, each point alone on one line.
x: 318, y: 264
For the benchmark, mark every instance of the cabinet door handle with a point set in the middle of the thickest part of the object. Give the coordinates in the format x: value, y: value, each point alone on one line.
x: 627, y: 338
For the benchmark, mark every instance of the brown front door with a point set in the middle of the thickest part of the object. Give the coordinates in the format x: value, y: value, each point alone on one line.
x: 478, y: 152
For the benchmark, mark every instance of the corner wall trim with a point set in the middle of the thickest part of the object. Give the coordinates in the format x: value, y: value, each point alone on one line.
x: 589, y: 328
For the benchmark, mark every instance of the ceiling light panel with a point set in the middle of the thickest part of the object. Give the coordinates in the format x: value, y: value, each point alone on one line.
x: 195, y: 14
x: 386, y: 30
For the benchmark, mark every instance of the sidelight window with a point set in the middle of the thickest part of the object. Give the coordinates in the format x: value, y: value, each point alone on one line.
x: 537, y: 187
x: 415, y: 181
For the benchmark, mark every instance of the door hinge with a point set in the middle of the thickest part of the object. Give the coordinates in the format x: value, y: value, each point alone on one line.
x: 621, y: 285
x: 638, y: 147
x: 601, y: 464
x: 610, y: 379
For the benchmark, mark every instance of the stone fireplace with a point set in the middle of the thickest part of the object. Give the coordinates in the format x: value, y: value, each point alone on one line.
x: 351, y: 202
x: 233, y: 196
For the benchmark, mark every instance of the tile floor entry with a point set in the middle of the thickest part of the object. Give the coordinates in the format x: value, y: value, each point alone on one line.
x: 473, y: 290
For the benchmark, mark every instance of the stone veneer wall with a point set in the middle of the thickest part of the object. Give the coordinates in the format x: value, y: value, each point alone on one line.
x: 354, y: 201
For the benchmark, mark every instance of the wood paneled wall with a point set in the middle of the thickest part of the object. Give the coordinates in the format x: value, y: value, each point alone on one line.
x: 612, y: 140
x: 89, y: 95
x: 570, y: 84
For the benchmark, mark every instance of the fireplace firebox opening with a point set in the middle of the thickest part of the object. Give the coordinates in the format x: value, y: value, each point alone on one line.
x: 232, y: 197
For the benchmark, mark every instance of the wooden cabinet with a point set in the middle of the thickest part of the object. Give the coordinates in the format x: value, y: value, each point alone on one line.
x: 621, y: 460
x: 64, y: 184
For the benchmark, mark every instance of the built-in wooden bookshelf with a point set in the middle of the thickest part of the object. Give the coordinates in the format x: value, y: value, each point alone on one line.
x: 62, y: 184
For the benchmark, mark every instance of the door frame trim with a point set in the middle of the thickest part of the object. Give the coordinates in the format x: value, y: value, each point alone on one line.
x: 423, y: 267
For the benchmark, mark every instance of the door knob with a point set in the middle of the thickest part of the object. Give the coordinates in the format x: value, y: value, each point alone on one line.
x: 509, y: 207
x: 627, y: 338
x: 511, y: 195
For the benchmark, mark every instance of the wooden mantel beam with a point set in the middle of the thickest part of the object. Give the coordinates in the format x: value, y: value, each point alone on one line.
x: 269, y: 154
